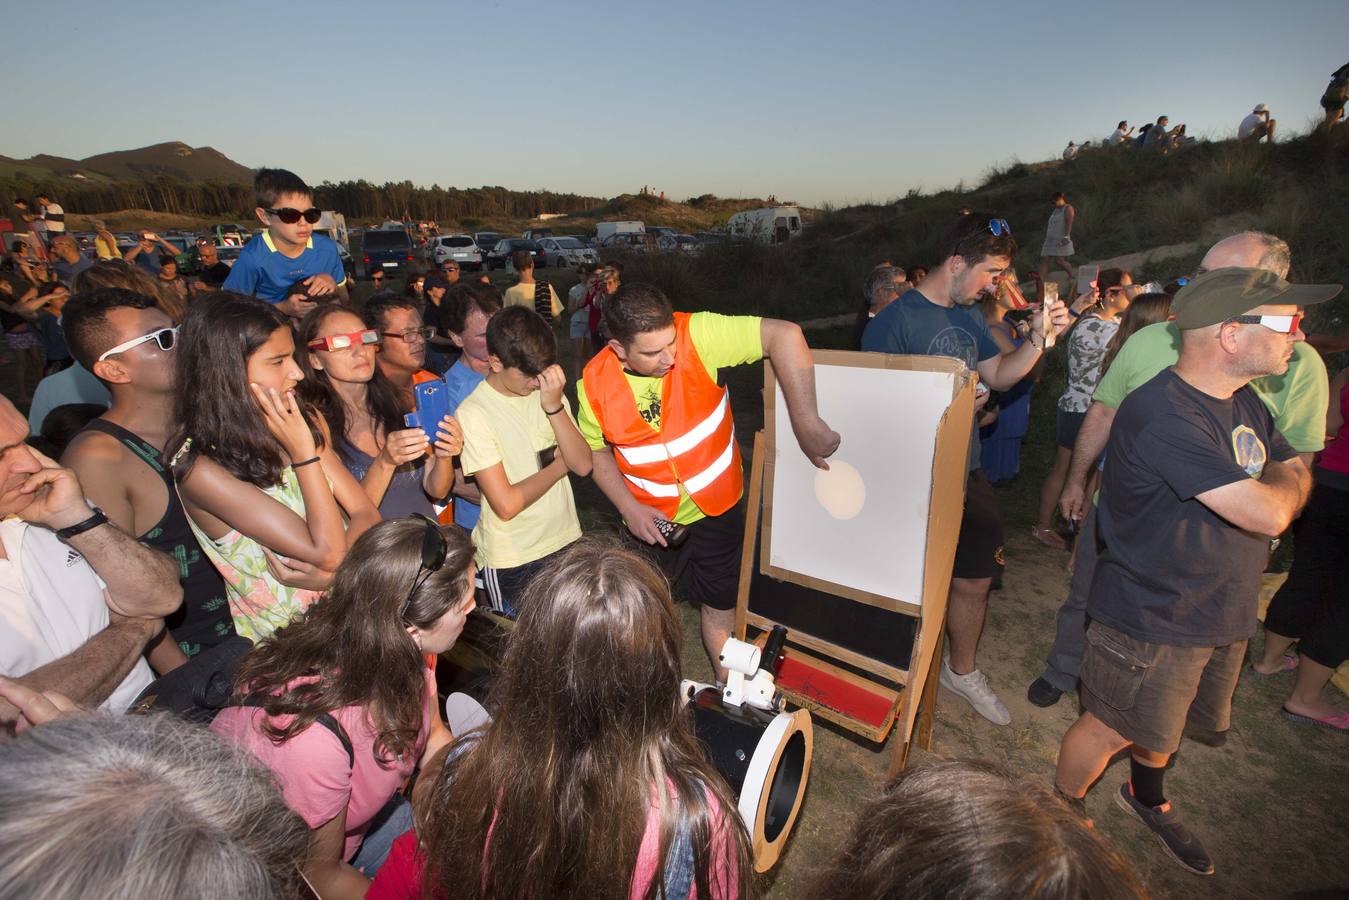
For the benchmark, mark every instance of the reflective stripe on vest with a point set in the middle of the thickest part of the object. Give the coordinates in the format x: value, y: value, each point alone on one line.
x: 692, y: 485
x: 643, y: 454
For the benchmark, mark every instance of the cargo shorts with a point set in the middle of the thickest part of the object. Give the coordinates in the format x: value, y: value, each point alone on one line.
x: 1148, y: 692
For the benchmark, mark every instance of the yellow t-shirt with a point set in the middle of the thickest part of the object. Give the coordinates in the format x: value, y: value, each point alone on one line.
x: 523, y: 295
x: 511, y: 431
x: 721, y: 341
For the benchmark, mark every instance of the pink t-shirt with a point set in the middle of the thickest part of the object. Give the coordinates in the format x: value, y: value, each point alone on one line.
x: 312, y: 766
x: 401, y: 875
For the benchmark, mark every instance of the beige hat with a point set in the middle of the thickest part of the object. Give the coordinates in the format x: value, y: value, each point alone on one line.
x: 1260, y: 108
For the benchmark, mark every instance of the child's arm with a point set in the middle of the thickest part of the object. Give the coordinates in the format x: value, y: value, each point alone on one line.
x: 509, y: 500
x: 572, y: 447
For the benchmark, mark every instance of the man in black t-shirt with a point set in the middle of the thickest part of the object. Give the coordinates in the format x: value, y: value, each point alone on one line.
x: 211, y: 270
x: 1197, y: 483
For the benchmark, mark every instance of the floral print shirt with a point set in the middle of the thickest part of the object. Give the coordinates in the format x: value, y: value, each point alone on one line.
x: 1086, y: 349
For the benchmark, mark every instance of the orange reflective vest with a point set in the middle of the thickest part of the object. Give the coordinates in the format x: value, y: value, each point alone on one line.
x: 695, y: 447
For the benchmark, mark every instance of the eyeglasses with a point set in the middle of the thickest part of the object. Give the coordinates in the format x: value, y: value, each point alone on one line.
x: 434, y: 549
x: 290, y: 215
x: 412, y: 335
x: 1281, y: 324
x: 164, y: 337
x: 449, y: 268
x: 343, y: 341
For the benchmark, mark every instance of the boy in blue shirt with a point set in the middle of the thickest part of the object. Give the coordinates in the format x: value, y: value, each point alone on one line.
x: 288, y: 251
x: 466, y: 310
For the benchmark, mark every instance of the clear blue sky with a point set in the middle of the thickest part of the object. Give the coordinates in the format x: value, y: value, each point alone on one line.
x: 818, y: 102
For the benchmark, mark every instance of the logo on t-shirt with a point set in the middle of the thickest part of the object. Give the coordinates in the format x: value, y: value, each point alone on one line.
x: 1249, y: 450
x: 956, y: 342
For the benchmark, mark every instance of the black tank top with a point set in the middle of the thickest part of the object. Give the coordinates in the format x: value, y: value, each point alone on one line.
x: 204, y: 618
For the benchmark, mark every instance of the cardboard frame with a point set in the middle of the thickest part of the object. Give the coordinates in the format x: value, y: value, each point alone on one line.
x: 915, y: 699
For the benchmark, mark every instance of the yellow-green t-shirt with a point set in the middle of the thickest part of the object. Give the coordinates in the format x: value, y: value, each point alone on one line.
x: 511, y: 431
x: 721, y: 341
x: 523, y: 295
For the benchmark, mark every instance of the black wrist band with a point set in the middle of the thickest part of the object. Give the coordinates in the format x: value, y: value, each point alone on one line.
x: 95, y: 520
x: 1074, y: 313
x: 552, y: 412
x: 312, y: 459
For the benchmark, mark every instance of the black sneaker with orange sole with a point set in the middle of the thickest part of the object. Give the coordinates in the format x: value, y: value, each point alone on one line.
x: 1164, y: 822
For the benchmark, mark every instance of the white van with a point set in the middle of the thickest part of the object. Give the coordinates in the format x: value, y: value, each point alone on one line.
x: 609, y: 229
x: 770, y: 225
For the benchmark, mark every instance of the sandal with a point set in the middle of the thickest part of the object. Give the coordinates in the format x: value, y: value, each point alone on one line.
x: 1339, y: 722
x: 1049, y: 537
x: 1287, y: 663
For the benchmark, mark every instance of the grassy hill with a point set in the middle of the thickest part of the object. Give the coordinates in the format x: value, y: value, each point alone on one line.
x: 173, y: 159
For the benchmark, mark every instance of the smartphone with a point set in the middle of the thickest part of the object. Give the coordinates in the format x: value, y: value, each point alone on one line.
x: 1086, y: 278
x: 546, y: 457
x: 1049, y: 292
x: 151, y: 236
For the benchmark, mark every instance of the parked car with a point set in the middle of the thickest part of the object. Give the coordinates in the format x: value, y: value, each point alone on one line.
x: 566, y: 251
x: 631, y: 242
x: 460, y: 248
x: 501, y: 253
x: 606, y: 230
x: 348, y: 262
x: 659, y: 230
x: 389, y: 249
x: 486, y: 241
x: 536, y: 234
x: 687, y: 243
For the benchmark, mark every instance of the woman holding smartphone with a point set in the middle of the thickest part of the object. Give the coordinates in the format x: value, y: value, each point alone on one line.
x: 360, y: 414
x: 265, y: 506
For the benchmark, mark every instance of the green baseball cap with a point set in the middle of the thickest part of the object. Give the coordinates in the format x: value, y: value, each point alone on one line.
x: 1217, y: 296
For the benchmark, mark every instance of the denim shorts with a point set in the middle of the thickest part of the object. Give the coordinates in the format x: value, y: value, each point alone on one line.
x: 1066, y: 426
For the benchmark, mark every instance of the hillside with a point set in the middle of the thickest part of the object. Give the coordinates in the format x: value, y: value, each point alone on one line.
x: 173, y: 159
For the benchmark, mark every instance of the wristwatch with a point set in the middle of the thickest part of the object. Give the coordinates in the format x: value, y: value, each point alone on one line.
x: 95, y: 520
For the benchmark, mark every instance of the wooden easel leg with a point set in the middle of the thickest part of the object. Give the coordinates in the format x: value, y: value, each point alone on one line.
x: 927, y: 710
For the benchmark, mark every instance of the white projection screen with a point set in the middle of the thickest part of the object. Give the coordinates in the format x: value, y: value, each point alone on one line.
x: 861, y: 527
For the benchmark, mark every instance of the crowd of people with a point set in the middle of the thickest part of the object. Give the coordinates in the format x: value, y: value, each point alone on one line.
x: 242, y: 499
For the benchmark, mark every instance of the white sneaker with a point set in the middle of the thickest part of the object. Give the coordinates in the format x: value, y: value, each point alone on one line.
x: 974, y: 688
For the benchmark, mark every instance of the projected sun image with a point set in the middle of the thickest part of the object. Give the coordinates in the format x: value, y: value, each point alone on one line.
x: 840, y: 490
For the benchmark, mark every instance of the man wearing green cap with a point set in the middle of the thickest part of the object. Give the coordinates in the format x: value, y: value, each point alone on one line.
x: 1198, y: 480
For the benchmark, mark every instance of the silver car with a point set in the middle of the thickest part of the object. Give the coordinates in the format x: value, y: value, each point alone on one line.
x: 566, y: 251
x: 460, y: 248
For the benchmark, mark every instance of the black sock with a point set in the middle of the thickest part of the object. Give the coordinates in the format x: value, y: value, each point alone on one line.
x: 1147, y: 783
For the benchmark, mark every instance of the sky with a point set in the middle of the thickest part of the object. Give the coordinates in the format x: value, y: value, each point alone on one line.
x: 821, y: 102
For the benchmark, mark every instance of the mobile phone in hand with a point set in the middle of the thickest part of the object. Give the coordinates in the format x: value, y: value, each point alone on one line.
x: 546, y: 457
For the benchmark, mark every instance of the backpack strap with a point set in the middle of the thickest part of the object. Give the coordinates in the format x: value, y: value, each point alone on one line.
x: 327, y: 720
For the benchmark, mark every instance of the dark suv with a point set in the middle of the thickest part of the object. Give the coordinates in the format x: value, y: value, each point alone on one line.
x: 390, y: 250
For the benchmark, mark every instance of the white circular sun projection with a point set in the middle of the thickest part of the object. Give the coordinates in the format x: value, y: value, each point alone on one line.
x: 840, y: 490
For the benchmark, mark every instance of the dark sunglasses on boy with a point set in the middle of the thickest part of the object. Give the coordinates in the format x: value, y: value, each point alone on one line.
x: 290, y: 215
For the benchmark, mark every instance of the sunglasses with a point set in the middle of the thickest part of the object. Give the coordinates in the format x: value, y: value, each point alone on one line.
x: 434, y: 549
x: 999, y: 227
x: 412, y: 335
x: 1281, y: 324
x: 290, y: 216
x: 164, y: 337
x: 343, y: 341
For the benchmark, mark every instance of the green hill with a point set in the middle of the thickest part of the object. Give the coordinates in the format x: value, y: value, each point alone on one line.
x: 173, y: 159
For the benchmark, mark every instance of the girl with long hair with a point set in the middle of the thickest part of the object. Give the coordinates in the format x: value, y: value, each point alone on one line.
x: 1086, y: 348
x: 1000, y: 439
x: 340, y: 704
x: 1144, y: 310
x: 588, y: 782
x: 360, y: 415
x: 265, y: 506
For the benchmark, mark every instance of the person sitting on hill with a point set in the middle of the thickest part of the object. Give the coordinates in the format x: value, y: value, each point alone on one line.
x: 346, y: 707
x: 1257, y: 125
x: 1335, y: 97
x: 1121, y: 135
x: 532, y: 806
x: 536, y: 295
x: 1070, y: 152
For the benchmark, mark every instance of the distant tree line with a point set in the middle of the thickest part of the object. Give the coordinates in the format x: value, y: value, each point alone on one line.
x: 359, y: 199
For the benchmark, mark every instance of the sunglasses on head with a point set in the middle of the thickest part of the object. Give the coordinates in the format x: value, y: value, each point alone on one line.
x: 434, y: 549
x: 999, y: 227
x: 164, y: 337
x: 343, y: 341
x: 290, y: 215
x: 1281, y: 324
